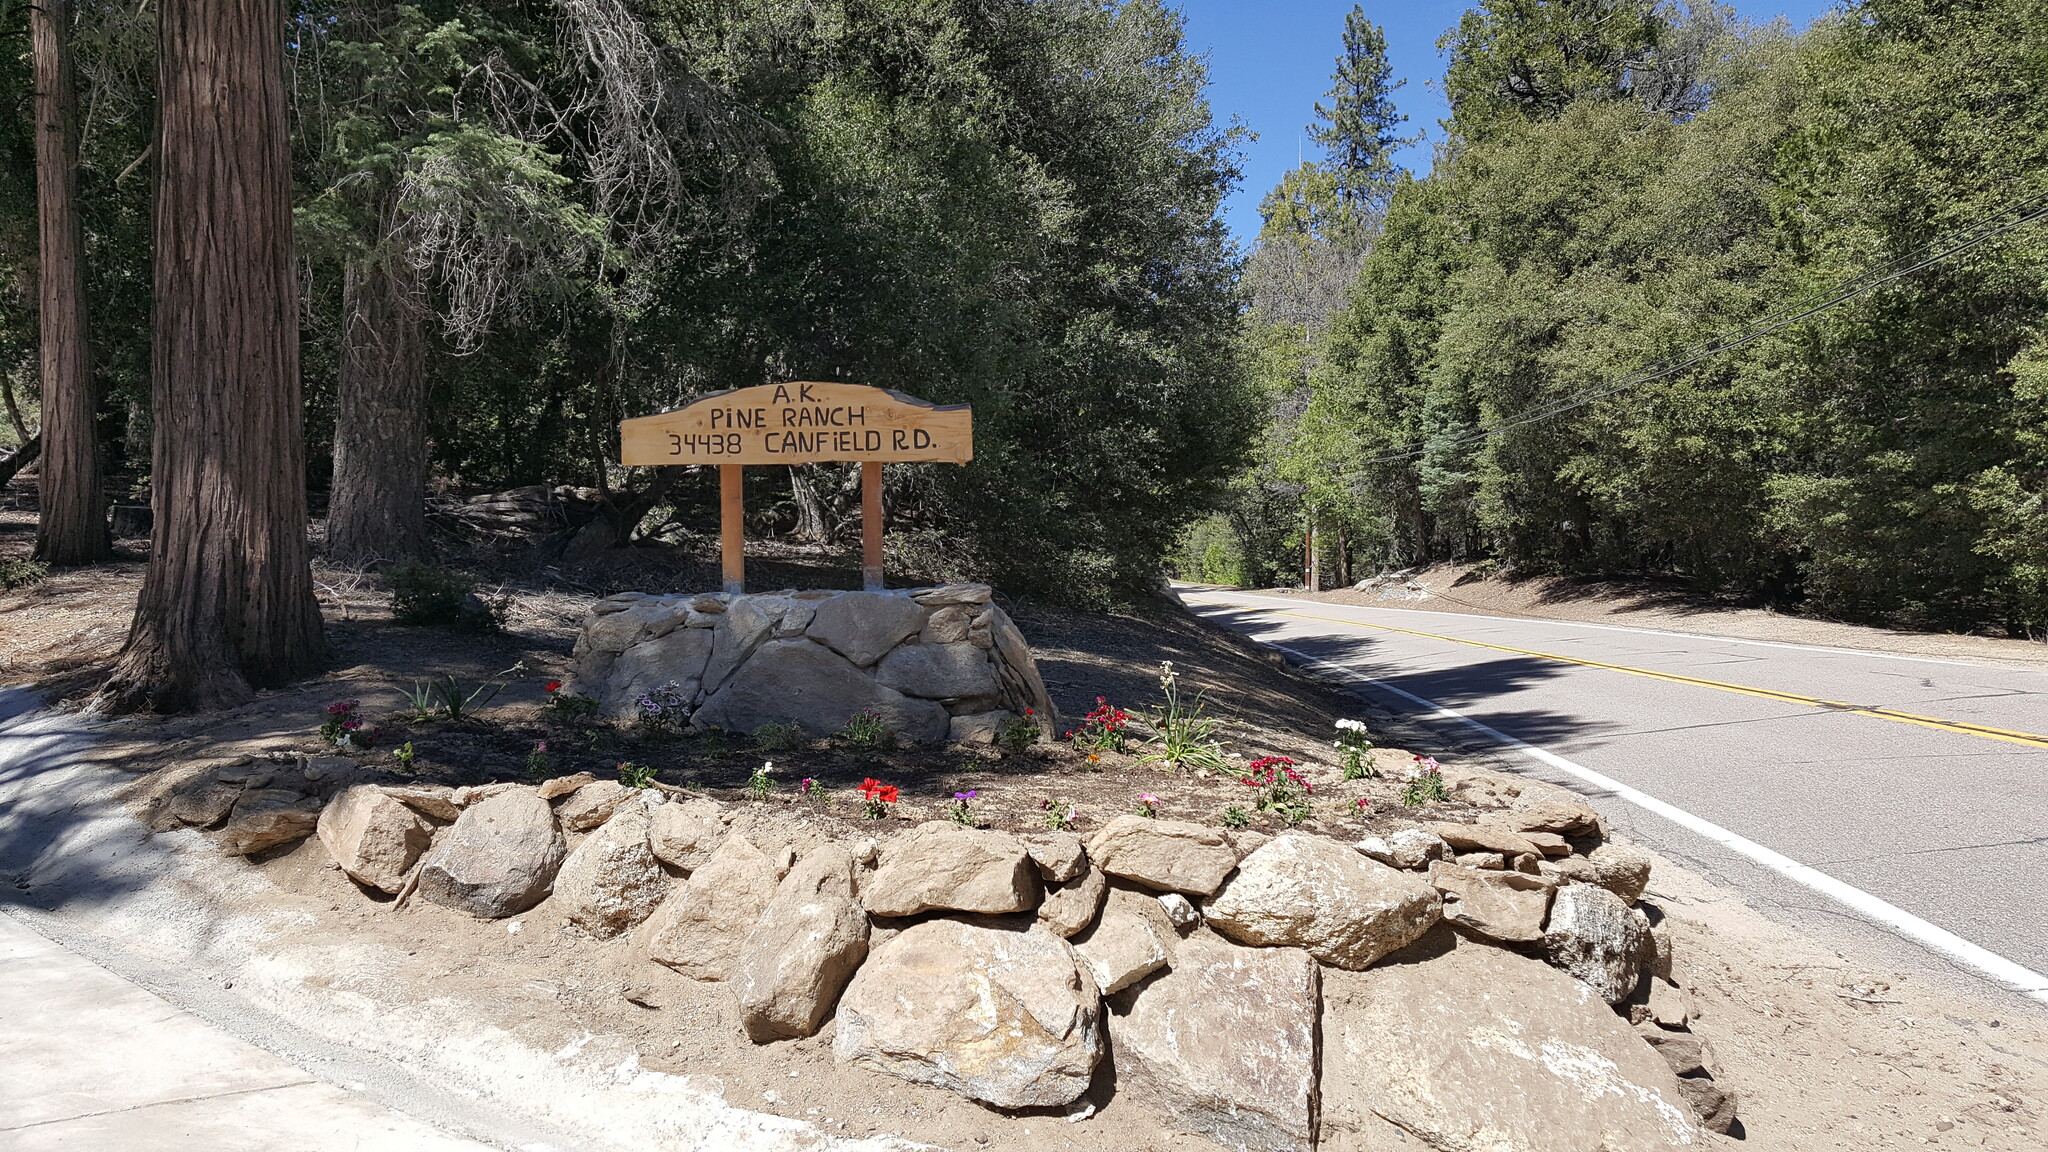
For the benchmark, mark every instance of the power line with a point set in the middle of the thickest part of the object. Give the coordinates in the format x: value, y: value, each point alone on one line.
x: 1869, y: 280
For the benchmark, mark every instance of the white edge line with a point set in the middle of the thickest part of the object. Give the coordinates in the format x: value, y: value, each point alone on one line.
x: 1984, y: 960
x: 1873, y: 654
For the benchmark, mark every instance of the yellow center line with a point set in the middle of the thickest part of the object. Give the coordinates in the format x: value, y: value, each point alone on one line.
x: 2009, y: 736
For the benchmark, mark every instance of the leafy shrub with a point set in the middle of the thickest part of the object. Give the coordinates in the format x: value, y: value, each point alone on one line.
x: 1427, y: 785
x: 16, y: 572
x: 1018, y: 732
x: 761, y: 785
x: 780, y: 737
x: 635, y: 775
x: 1356, y: 744
x: 1103, y: 730
x: 867, y: 731
x: 425, y: 596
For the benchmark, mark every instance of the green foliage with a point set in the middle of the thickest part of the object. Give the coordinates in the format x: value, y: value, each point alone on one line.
x: 1426, y: 786
x: 1017, y: 733
x: 16, y: 572
x: 867, y: 731
x: 636, y: 776
x: 1057, y: 814
x: 1624, y: 180
x: 436, y: 597
x: 781, y: 737
x: 1235, y: 816
x: 1187, y: 738
x: 761, y: 784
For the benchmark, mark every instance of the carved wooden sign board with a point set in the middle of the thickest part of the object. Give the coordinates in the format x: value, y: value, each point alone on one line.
x: 802, y: 422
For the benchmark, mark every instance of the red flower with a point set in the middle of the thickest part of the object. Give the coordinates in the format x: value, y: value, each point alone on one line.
x: 869, y: 787
x: 887, y: 794
x: 553, y: 685
x: 1029, y: 712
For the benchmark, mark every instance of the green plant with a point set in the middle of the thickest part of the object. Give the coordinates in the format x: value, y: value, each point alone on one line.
x: 342, y: 722
x: 810, y: 790
x: 1235, y: 817
x: 1103, y: 730
x: 880, y: 798
x: 664, y: 710
x: 420, y: 698
x: 635, y: 775
x: 405, y: 756
x: 457, y: 704
x: 1187, y: 738
x: 1057, y: 815
x: 1356, y: 744
x: 761, y: 785
x: 1281, y: 790
x: 436, y: 597
x: 867, y: 731
x: 17, y: 572
x: 780, y: 737
x: 1018, y: 732
x: 1427, y: 785
x: 961, y: 811
x: 568, y: 704
x: 538, y: 762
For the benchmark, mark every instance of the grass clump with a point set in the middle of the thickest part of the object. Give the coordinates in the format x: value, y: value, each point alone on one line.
x: 429, y: 597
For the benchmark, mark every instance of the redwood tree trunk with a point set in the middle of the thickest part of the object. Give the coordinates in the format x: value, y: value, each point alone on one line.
x: 378, y: 506
x: 71, y: 526
x: 228, y: 599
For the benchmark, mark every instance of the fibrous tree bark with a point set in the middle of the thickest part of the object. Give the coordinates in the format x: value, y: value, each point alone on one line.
x: 377, y: 510
x: 228, y: 599
x: 71, y: 526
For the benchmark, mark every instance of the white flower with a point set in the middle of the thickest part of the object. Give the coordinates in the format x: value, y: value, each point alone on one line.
x: 1348, y: 725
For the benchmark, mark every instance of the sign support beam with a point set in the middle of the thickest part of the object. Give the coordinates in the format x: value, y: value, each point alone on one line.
x: 732, y: 537
x: 871, y: 525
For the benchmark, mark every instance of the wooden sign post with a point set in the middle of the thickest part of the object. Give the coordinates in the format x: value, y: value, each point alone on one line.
x: 805, y: 422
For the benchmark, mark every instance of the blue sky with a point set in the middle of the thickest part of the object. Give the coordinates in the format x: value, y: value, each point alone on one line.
x: 1270, y: 60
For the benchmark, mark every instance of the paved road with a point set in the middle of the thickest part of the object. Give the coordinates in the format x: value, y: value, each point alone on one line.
x: 1922, y: 782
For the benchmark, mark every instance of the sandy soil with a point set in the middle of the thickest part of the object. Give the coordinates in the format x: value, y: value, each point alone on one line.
x: 1465, y: 588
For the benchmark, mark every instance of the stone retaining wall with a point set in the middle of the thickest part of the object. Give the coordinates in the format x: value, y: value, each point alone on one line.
x: 937, y: 663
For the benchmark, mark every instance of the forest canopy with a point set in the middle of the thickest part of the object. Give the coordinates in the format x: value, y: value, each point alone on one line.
x: 515, y: 224
x: 520, y: 223
x: 1624, y: 179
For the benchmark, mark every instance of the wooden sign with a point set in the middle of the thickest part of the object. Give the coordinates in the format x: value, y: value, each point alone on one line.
x: 806, y: 422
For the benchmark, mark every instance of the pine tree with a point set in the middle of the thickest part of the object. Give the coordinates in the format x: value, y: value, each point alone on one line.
x: 1357, y: 127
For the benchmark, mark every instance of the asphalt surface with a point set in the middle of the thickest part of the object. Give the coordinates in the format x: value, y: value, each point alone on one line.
x: 1922, y: 782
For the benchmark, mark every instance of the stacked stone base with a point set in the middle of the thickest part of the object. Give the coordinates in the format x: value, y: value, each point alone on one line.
x: 937, y: 664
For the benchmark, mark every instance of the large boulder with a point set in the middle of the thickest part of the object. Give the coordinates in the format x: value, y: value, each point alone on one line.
x: 747, y: 623
x: 266, y: 818
x: 1487, y: 838
x: 1410, y: 848
x: 699, y: 929
x: 862, y: 626
x: 803, y: 950
x: 1562, y: 817
x: 498, y: 858
x: 373, y: 836
x: 999, y: 1014
x: 678, y: 658
x: 1508, y: 907
x: 1597, y: 938
x: 1129, y: 941
x: 938, y: 671
x: 1318, y: 895
x: 1167, y: 855
x: 591, y: 805
x: 796, y: 680
x: 1224, y: 1044
x: 684, y: 834
x: 1622, y: 869
x: 940, y: 865
x: 612, y: 881
x: 1457, y: 1045
x: 1059, y: 855
x: 1071, y: 905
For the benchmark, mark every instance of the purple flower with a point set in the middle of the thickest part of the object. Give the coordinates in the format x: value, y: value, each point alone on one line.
x: 965, y: 795
x: 351, y: 724
x: 540, y: 746
x: 343, y: 707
